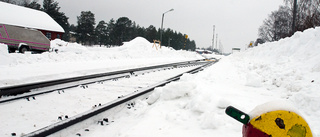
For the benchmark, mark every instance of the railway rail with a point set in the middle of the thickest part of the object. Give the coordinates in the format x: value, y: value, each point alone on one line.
x: 12, y: 93
x: 93, y: 115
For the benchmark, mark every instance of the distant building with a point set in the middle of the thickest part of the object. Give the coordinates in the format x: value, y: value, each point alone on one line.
x: 29, y: 18
x: 72, y: 37
x: 235, y: 50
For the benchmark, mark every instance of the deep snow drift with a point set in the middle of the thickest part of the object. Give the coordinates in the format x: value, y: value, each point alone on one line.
x: 285, y: 73
x: 287, y: 70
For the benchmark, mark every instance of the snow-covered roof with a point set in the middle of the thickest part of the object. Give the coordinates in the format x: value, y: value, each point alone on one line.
x: 27, y: 17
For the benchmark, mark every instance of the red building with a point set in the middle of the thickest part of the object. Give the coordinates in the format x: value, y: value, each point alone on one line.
x: 51, y: 35
x: 29, y: 18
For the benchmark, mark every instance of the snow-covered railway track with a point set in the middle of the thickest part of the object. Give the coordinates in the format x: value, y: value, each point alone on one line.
x: 32, y: 89
x: 64, y: 108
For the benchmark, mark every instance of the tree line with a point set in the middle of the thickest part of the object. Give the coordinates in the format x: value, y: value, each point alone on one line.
x: 278, y: 25
x: 111, y: 33
x: 123, y: 29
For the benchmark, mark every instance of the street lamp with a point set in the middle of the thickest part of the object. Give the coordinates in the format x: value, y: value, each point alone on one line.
x: 162, y: 24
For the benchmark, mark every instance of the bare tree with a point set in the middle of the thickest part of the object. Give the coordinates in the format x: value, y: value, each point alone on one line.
x: 308, y: 13
x: 311, y: 9
x: 277, y: 26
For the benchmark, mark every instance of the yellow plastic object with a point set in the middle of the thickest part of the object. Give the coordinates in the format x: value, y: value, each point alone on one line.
x: 282, y: 123
x: 210, y: 60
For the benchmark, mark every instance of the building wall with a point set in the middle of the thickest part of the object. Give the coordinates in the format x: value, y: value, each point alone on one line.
x: 52, y: 35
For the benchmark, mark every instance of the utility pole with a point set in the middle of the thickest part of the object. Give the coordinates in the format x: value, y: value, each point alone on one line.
x: 294, y: 16
x: 213, y: 37
x: 217, y: 42
x: 221, y: 47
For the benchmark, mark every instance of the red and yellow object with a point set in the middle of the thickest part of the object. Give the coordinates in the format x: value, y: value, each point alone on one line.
x: 278, y: 123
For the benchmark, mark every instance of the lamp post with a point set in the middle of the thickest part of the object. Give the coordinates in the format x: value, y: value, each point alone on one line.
x: 162, y: 23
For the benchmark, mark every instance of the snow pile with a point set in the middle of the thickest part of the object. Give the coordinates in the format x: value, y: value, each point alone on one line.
x: 287, y: 70
x: 138, y: 42
x: 289, y: 66
x: 172, y: 91
x: 284, y: 73
x: 141, y: 48
x: 59, y: 45
x: 136, y: 48
x: 4, y: 55
x: 73, y: 59
x: 291, y: 61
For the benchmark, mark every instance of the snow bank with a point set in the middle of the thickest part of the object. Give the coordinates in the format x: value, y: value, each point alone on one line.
x: 136, y: 48
x: 141, y: 48
x: 4, y: 55
x: 58, y: 45
x: 287, y: 63
x: 191, y: 103
x: 284, y: 73
x: 287, y: 70
x: 73, y: 59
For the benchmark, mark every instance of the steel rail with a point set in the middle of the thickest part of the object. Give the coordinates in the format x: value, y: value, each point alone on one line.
x: 62, y: 125
x: 54, y: 85
x: 19, y: 89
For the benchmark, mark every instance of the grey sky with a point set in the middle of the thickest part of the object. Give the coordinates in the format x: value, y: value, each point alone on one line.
x: 236, y: 21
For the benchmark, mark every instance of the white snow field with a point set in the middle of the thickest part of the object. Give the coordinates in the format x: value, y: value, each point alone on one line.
x: 75, y: 60
x: 284, y: 71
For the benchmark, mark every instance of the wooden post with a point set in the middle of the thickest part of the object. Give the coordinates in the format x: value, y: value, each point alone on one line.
x: 155, y: 42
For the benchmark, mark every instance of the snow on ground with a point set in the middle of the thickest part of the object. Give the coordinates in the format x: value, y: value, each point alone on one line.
x: 284, y: 71
x: 74, y: 60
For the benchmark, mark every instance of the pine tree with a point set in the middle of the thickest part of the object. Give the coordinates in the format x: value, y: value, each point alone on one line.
x: 123, y: 30
x: 52, y: 9
x: 85, y: 28
x: 101, y: 33
x: 151, y: 33
x: 33, y: 5
x: 141, y: 31
x: 110, y: 32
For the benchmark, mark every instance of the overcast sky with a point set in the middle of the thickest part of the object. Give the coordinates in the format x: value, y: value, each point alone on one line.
x: 236, y: 21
